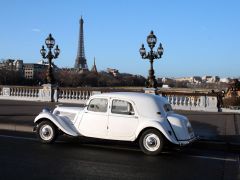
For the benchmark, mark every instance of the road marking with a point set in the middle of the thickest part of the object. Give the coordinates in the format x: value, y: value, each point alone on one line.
x: 214, y: 158
x: 129, y: 149
x: 207, y: 157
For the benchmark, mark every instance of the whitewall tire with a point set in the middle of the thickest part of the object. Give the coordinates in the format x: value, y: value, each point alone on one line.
x: 47, y: 132
x: 151, y: 142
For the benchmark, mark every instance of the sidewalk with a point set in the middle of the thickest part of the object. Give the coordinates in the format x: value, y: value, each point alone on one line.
x: 216, y: 127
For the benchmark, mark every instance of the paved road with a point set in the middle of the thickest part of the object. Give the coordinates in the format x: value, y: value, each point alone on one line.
x: 23, y: 157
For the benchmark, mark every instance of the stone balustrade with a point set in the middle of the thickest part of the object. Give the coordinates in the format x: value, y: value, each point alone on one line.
x: 75, y: 95
x: 27, y: 93
x: 24, y: 92
x: 192, y: 101
x: 178, y: 100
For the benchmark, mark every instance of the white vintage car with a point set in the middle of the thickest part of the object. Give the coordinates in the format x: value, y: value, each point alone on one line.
x: 123, y: 116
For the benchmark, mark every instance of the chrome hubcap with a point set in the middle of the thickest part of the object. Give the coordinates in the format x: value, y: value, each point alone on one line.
x: 151, y: 142
x: 46, y: 132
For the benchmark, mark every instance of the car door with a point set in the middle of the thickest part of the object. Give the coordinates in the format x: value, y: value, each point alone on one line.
x: 95, y: 119
x: 122, y: 120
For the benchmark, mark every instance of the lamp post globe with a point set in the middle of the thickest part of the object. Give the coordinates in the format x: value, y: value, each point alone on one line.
x: 151, y: 40
x: 160, y: 50
x: 50, y: 42
x: 43, y: 52
x: 56, y: 51
x: 151, y: 55
x: 142, y: 50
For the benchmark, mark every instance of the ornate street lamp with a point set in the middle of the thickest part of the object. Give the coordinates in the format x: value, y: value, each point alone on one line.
x: 50, y: 42
x: 151, y: 40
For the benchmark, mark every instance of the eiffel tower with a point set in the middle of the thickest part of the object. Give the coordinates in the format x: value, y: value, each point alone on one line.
x: 81, y: 62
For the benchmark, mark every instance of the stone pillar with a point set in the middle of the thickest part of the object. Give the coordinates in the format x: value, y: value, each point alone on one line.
x: 96, y: 92
x: 212, y: 104
x: 6, y: 91
x: 48, y: 93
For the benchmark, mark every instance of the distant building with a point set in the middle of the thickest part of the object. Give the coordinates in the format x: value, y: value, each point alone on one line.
x: 210, y: 79
x: 167, y: 80
x: 94, y: 68
x: 32, y: 70
x: 192, y: 80
x: 11, y: 64
x: 225, y: 80
x: 196, y: 80
x: 27, y: 70
x: 182, y: 79
x: 42, y: 62
x: 113, y: 72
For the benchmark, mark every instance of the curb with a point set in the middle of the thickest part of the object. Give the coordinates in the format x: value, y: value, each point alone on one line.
x: 16, y: 127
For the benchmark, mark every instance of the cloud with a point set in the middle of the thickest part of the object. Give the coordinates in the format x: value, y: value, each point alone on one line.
x: 36, y: 30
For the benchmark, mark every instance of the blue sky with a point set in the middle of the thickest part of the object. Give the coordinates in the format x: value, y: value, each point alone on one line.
x: 200, y: 37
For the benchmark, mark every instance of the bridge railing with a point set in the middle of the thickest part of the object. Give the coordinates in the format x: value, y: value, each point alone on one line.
x: 28, y: 93
x: 192, y: 101
x: 74, y: 95
x: 178, y: 100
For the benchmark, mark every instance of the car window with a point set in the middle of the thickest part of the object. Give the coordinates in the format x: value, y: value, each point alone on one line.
x: 122, y: 107
x: 98, y: 105
x: 167, y: 107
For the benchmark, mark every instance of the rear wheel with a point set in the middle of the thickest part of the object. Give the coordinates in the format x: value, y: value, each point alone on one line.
x: 47, y: 132
x: 151, y: 142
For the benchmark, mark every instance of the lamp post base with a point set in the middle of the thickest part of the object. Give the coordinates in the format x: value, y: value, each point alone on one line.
x: 48, y: 93
x: 151, y: 91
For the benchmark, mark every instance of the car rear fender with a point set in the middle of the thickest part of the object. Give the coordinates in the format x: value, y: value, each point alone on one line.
x: 160, y: 127
x: 62, y: 123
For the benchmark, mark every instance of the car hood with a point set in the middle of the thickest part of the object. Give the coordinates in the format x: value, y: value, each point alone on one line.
x: 73, y: 110
x: 67, y: 113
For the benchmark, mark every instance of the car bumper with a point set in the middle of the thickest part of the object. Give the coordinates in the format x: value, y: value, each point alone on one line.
x: 34, y: 128
x: 189, y: 141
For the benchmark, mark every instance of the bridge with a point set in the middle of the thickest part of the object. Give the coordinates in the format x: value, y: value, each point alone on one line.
x: 199, y: 106
x: 179, y: 99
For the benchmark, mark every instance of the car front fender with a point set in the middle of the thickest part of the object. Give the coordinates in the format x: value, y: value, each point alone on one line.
x: 63, y: 124
x: 161, y: 126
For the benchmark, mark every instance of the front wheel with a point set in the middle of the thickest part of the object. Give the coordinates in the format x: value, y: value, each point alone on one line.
x: 47, y: 132
x: 151, y: 142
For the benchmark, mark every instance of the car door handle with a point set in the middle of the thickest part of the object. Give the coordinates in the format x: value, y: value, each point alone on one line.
x: 136, y: 117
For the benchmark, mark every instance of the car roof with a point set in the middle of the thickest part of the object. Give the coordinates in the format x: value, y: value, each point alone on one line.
x: 148, y: 105
x: 132, y: 96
